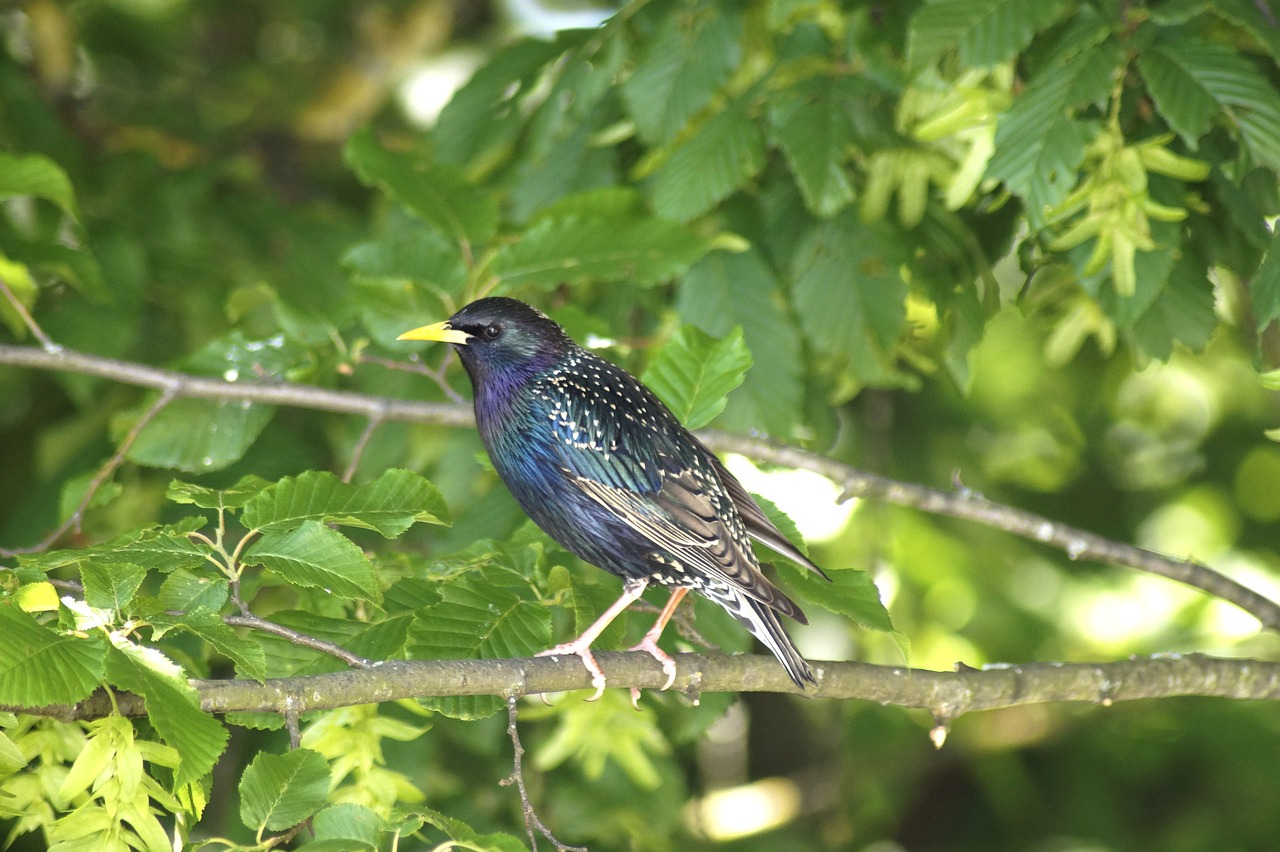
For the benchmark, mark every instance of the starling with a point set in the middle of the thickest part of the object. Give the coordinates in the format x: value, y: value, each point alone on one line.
x: 605, y: 469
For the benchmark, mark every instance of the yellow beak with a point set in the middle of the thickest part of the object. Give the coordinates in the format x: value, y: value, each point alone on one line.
x: 437, y: 331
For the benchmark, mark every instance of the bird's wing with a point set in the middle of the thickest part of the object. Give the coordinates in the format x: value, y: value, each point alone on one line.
x: 636, y: 461
x: 758, y: 524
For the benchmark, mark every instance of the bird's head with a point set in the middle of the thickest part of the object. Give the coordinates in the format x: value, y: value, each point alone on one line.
x: 499, y: 339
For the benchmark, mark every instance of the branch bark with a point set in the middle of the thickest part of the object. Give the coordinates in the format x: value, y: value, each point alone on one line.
x: 1076, y: 543
x: 946, y: 695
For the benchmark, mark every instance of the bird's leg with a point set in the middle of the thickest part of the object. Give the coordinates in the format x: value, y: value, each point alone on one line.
x: 650, y: 643
x: 581, y: 647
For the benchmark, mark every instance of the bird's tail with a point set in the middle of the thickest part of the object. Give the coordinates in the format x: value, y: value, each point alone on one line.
x: 763, y: 622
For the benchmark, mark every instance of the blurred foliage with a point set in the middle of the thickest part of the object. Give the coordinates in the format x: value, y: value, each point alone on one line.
x: 1023, y: 245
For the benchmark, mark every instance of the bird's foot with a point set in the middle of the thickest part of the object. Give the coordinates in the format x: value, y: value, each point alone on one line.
x: 650, y: 645
x: 581, y: 650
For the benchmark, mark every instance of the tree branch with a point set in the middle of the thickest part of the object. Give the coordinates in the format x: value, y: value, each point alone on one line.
x: 947, y: 695
x: 964, y: 504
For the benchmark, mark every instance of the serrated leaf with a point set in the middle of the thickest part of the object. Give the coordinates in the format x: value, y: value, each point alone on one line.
x: 814, y: 129
x: 314, y: 555
x: 483, y: 117
x: 173, y: 707
x: 1181, y: 99
x: 462, y: 833
x: 1264, y: 286
x: 719, y: 158
x: 986, y: 32
x: 246, y: 654
x: 199, y: 435
x: 849, y: 294
x: 485, y: 614
x: 1040, y: 143
x: 851, y: 593
x: 581, y: 249
x: 1244, y: 97
x: 159, y: 549
x: 694, y: 373
x: 1183, y: 312
x: 725, y: 289
x: 217, y: 498
x: 11, y: 757
x: 435, y: 192
x: 390, y: 504
x: 186, y: 591
x: 278, y: 791
x: 110, y: 585
x: 39, y: 666
x: 38, y: 176
x: 345, y: 828
x: 683, y: 66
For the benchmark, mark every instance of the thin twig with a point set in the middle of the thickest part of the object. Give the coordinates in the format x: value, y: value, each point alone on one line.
x: 358, y: 450
x: 29, y: 321
x: 300, y: 639
x: 72, y: 523
x: 418, y: 366
x: 531, y: 819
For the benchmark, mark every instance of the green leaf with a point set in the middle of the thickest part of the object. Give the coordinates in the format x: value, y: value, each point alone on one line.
x: 110, y: 585
x: 435, y: 192
x: 278, y: 791
x: 159, y: 549
x: 683, y: 65
x: 246, y: 654
x: 849, y: 294
x: 485, y: 614
x: 718, y: 159
x: 576, y: 248
x: 1264, y: 286
x: 851, y: 593
x: 597, y: 733
x: 186, y: 591
x: 694, y: 373
x: 725, y: 289
x: 814, y: 128
x: 1183, y: 312
x: 315, y: 555
x: 390, y: 504
x: 1040, y: 142
x: 483, y: 118
x: 986, y: 32
x: 1244, y: 97
x: 217, y: 498
x: 1181, y: 99
x: 198, y: 435
x: 38, y: 176
x: 39, y: 666
x: 345, y: 828
x: 173, y: 707
x: 23, y: 287
x: 466, y: 837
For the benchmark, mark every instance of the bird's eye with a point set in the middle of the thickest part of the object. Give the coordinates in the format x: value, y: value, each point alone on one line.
x: 491, y: 332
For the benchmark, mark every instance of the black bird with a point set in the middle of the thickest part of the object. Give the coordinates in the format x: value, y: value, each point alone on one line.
x: 608, y: 471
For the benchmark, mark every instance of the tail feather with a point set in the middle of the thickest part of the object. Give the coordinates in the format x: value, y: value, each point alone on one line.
x: 763, y: 622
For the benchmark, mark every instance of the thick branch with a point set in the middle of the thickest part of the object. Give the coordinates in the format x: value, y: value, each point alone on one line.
x: 947, y: 695
x: 1077, y: 543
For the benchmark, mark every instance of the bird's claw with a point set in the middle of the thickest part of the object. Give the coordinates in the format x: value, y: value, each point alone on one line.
x: 582, y: 652
x: 650, y: 645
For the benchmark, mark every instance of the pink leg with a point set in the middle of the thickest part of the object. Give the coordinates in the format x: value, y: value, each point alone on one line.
x: 650, y: 641
x: 581, y: 647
